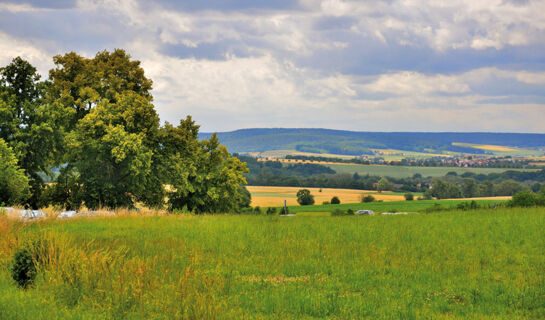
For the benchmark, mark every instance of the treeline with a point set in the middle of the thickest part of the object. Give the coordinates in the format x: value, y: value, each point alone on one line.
x: 95, y: 120
x: 452, y: 185
x: 493, y: 162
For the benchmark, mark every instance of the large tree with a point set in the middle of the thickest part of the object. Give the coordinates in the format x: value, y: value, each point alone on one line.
x: 32, y: 128
x: 112, y: 150
x: 80, y: 83
x: 204, y: 177
x: 13, y: 182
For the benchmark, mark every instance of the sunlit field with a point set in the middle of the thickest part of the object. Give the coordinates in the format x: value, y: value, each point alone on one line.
x: 484, y: 264
x: 265, y: 196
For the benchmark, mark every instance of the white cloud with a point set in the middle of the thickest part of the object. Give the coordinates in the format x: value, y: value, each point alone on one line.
x: 11, y: 48
x: 414, y: 83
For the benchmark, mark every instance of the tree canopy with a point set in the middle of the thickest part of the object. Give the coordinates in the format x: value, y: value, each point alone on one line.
x: 94, y: 120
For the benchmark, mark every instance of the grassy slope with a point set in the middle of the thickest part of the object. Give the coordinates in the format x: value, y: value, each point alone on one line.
x: 478, y: 265
x: 403, y: 171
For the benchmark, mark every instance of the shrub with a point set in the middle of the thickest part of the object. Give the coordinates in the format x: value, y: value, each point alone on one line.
x: 350, y: 212
x: 338, y: 212
x: 469, y: 205
x: 409, y: 196
x: 368, y: 198
x: 23, y: 268
x: 304, y: 197
x: 271, y: 210
x: 257, y: 210
x: 524, y: 199
x: 335, y: 200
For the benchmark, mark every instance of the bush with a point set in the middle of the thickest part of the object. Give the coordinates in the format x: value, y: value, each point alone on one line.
x: 368, y: 198
x: 524, y: 199
x: 335, y: 200
x: 257, y: 210
x: 470, y: 205
x: 409, y: 196
x: 23, y: 268
x: 304, y: 197
x: 338, y: 212
x: 350, y: 212
x: 271, y: 210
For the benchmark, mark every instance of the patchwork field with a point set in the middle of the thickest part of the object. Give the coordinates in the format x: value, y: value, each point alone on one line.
x: 502, y: 150
x: 264, y: 196
x: 407, y: 171
x: 485, y: 264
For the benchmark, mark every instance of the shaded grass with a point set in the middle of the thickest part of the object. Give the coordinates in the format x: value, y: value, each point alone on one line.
x: 485, y: 264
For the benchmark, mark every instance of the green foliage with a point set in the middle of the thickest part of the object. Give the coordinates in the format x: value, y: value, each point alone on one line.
x: 508, y: 188
x: 409, y: 196
x: 80, y: 83
x: 384, y: 185
x: 368, y: 198
x: 304, y: 197
x: 271, y: 211
x: 445, y: 190
x: 13, y: 182
x: 112, y: 150
x: 527, y: 198
x: 32, y: 128
x: 335, y: 200
x: 66, y: 193
x: 23, y: 268
x: 468, y: 205
x: 205, y: 177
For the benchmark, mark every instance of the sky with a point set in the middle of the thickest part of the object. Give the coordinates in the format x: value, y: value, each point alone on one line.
x: 413, y: 65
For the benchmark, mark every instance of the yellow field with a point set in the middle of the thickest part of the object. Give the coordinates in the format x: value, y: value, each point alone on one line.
x: 275, y: 196
x: 489, y: 147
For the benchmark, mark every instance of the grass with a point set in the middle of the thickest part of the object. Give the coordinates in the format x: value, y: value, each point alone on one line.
x: 400, y: 206
x: 485, y: 264
x: 408, y: 171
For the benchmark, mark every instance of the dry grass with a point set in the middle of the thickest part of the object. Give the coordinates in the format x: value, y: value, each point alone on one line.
x: 275, y: 196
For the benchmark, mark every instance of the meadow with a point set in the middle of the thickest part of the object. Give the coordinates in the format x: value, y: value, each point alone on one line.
x: 397, y: 206
x: 484, y: 264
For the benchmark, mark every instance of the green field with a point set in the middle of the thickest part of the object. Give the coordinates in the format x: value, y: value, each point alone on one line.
x: 405, y: 206
x: 407, y: 171
x: 485, y: 264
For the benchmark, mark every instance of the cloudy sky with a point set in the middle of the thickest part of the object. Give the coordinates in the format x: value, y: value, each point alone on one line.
x: 414, y: 65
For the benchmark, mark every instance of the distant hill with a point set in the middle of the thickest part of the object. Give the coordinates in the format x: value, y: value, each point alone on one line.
x: 357, y: 143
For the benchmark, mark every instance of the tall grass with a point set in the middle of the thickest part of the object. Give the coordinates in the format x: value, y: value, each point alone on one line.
x: 480, y: 264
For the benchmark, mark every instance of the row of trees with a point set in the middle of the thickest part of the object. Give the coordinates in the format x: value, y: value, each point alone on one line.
x: 95, y: 120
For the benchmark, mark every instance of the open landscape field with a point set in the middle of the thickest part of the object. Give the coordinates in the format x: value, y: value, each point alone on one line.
x: 408, y: 171
x: 484, y: 264
x: 395, y: 206
x: 265, y: 196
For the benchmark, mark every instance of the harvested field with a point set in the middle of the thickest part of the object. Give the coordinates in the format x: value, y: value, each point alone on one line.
x: 265, y: 196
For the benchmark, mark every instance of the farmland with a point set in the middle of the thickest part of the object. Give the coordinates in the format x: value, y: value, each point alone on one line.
x: 407, y: 171
x: 479, y: 264
x: 275, y: 196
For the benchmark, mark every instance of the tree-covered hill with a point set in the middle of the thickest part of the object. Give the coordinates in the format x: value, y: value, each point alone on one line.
x: 357, y: 143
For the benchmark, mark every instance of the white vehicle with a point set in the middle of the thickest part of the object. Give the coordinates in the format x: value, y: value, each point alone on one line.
x: 365, y: 212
